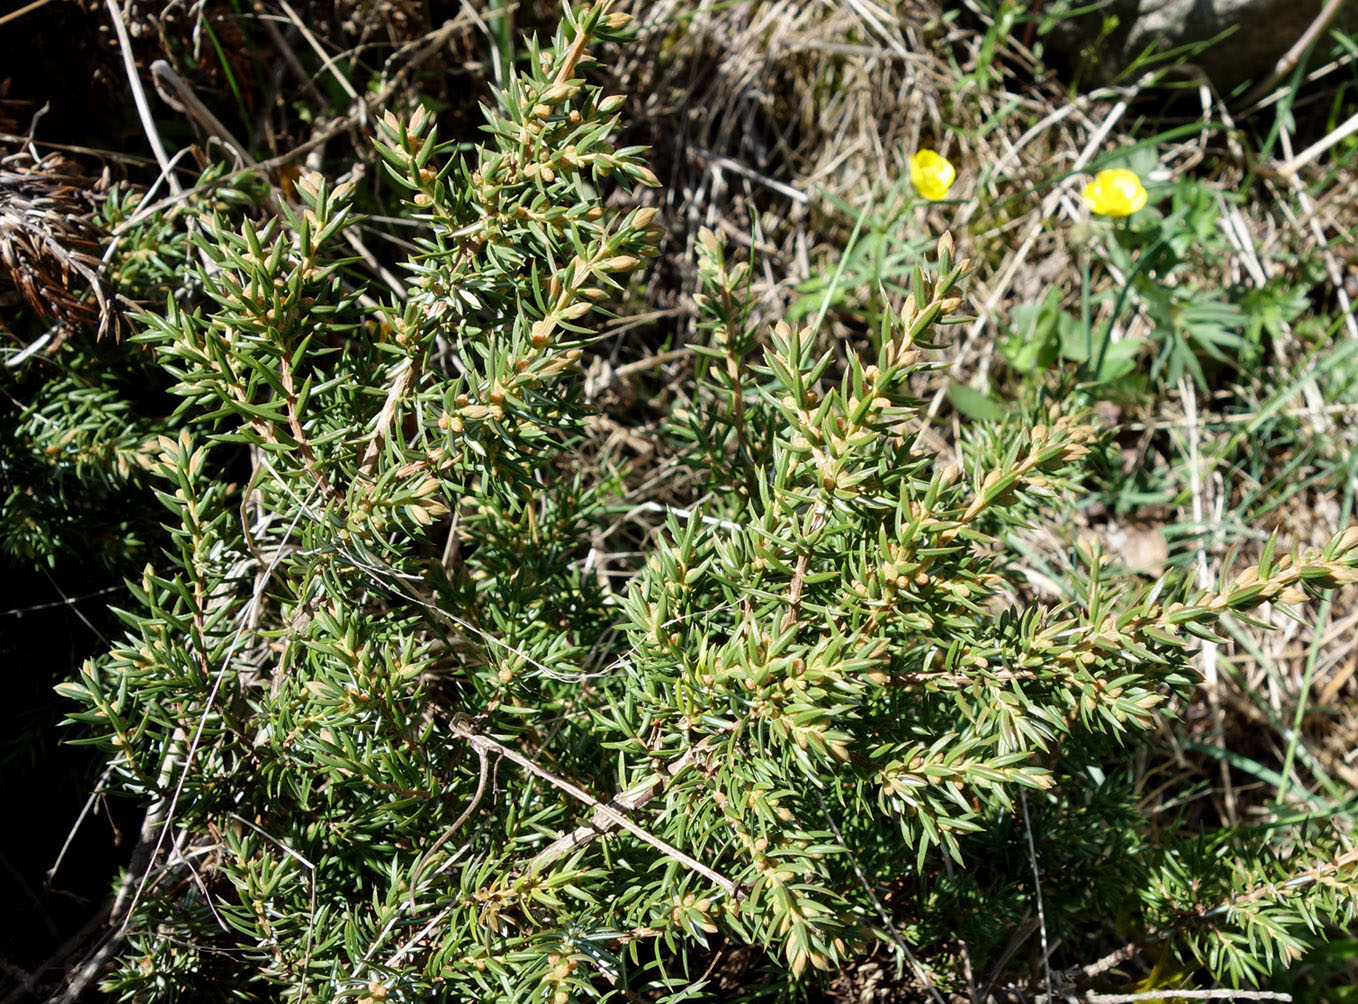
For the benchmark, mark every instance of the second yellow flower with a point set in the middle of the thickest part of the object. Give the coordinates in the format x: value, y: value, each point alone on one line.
x: 1115, y: 192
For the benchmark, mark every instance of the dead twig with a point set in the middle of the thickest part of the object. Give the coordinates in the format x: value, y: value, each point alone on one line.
x: 614, y: 816
x: 14, y: 15
x: 630, y: 800
x: 1293, y: 56
x: 139, y: 97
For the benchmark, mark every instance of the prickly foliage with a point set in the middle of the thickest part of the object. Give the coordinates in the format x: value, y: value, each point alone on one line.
x: 398, y: 741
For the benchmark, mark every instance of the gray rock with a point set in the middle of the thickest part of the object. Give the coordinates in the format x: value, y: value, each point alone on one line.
x: 1263, y: 31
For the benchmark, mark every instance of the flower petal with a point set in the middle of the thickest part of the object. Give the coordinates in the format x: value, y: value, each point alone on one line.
x: 931, y: 174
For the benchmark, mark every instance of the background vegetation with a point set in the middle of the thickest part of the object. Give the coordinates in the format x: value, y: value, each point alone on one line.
x: 217, y: 220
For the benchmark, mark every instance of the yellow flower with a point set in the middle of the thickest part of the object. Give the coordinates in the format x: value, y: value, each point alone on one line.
x: 1116, y: 192
x: 931, y: 174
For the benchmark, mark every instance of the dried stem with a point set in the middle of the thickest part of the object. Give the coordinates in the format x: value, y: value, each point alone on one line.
x: 604, y: 809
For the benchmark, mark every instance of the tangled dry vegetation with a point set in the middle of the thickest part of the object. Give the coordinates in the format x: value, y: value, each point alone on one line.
x: 786, y: 126
x: 47, y: 242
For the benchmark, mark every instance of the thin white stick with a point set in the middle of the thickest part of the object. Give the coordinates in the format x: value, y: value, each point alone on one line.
x: 319, y: 49
x: 1308, y: 209
x: 1209, y: 649
x: 1188, y: 995
x: 479, y: 742
x: 139, y: 96
x: 725, y: 524
x: 1343, y: 132
x: 1037, y: 886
